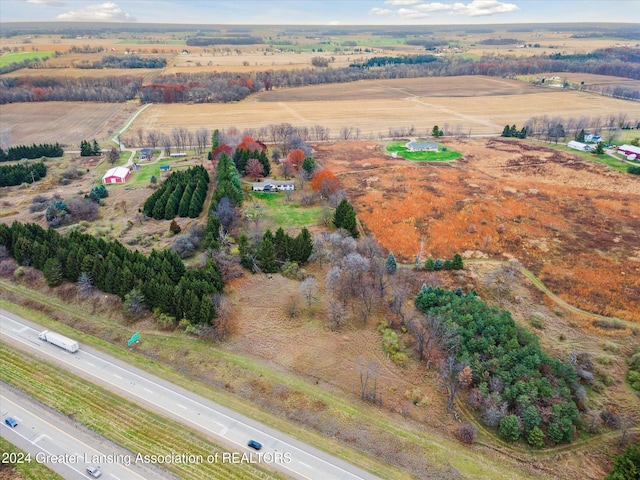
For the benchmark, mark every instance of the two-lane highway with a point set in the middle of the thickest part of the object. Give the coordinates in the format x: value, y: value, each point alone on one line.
x: 280, y: 451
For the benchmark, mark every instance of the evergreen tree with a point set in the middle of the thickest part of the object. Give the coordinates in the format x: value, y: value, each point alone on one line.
x: 457, y: 263
x: 390, y: 266
x: 85, y: 149
x: 309, y: 166
x: 447, y: 264
x: 580, y: 136
x: 95, y: 148
x: 266, y: 255
x: 599, y: 149
x: 207, y: 311
x: 53, y: 272
x: 509, y: 428
x: 302, y: 247
x: 438, y: 264
x: 345, y: 217
x: 430, y: 264
x: 244, y: 250
x: 513, y: 132
x: 535, y: 437
x: 282, y: 245
x: 506, y: 132
x: 627, y: 466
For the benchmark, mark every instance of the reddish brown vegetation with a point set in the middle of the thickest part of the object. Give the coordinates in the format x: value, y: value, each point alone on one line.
x: 573, y: 223
x: 325, y: 182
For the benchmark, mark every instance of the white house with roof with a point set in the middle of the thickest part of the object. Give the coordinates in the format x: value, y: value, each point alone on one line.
x: 268, y: 185
x: 592, y: 137
x: 116, y: 175
x: 415, y: 146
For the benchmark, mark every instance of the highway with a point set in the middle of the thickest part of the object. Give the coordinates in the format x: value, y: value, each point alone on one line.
x: 65, y: 447
x: 284, y: 453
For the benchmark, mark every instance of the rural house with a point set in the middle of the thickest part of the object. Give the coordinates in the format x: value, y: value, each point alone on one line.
x: 592, y: 137
x: 273, y: 185
x: 116, y: 175
x: 422, y: 146
x: 145, y: 154
x: 583, y: 147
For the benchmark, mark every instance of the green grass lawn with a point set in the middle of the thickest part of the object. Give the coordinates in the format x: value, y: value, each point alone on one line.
x: 287, y: 214
x: 9, y: 58
x: 441, y: 155
x: 591, y: 157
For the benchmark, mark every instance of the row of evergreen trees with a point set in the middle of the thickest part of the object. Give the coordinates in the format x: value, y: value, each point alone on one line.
x: 89, y: 149
x: 275, y: 250
x: 518, y: 387
x: 182, y: 194
x: 454, y: 263
x: 31, y: 151
x: 512, y: 131
x: 159, y: 279
x: 21, y: 173
x: 243, y: 155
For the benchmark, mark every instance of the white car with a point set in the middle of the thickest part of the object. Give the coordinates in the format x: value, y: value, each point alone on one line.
x: 94, y: 471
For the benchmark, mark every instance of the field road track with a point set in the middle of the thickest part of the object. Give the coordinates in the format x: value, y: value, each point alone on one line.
x: 543, y: 288
x: 230, y: 428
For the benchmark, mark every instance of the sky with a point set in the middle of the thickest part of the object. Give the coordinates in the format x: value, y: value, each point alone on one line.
x: 322, y: 12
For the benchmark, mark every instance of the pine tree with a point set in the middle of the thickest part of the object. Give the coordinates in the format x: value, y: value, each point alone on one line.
x: 266, y: 254
x: 345, y: 217
x: 302, y: 247
x: 506, y: 132
x: 95, y: 149
x: 53, y: 272
x: 390, y: 266
x: 282, y: 245
x: 438, y: 264
x: 457, y: 263
x: 430, y: 264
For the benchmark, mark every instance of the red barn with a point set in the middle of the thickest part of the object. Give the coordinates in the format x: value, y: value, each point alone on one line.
x: 629, y: 150
x: 116, y: 175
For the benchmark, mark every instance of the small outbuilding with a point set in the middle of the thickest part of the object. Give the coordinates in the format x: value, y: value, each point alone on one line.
x: 116, y: 175
x: 165, y: 168
x: 583, y: 147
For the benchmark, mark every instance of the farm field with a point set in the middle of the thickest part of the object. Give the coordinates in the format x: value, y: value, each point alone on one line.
x: 574, y: 223
x: 10, y: 58
x: 366, y: 105
x: 64, y: 122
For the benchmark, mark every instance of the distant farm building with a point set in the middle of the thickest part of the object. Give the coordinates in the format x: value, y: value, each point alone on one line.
x: 592, y: 137
x: 583, y: 147
x: 273, y: 185
x: 116, y: 175
x: 629, y: 150
x: 145, y: 154
x: 178, y: 154
x: 422, y: 146
x: 165, y: 168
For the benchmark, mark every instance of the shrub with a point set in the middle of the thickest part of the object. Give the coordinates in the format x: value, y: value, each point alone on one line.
x: 626, y: 466
x: 536, y: 437
x: 467, y: 433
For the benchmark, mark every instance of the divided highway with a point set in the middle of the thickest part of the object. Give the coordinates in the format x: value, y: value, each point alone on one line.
x: 290, y: 456
x: 52, y: 439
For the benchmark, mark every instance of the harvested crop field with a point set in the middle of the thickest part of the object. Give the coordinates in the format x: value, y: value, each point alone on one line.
x: 64, y: 122
x: 376, y: 106
x: 573, y: 223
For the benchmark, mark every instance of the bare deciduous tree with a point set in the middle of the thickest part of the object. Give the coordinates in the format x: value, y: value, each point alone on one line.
x: 309, y: 291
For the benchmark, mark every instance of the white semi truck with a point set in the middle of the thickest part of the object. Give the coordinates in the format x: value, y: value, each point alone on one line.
x: 59, y: 340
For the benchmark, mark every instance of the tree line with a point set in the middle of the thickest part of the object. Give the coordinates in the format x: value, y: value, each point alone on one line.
x: 158, y: 280
x: 112, y: 89
x: 383, y: 61
x: 512, y: 382
x: 20, y: 173
x: 31, y: 151
x: 237, y: 40
x: 274, y: 252
x: 89, y: 149
x: 182, y: 194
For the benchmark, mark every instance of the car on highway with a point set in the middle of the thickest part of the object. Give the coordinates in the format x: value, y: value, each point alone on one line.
x: 11, y: 422
x: 94, y: 471
x: 255, y: 445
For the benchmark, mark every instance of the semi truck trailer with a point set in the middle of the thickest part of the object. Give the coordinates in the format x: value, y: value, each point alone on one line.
x: 59, y: 340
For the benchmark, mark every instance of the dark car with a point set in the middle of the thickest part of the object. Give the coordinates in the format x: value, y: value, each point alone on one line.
x: 11, y: 422
x: 255, y: 445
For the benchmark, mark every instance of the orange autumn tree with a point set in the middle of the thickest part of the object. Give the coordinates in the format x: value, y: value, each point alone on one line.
x: 325, y: 182
x: 295, y: 158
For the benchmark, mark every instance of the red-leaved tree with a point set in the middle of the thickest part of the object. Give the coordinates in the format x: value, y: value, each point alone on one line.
x: 325, y: 182
x: 254, y: 169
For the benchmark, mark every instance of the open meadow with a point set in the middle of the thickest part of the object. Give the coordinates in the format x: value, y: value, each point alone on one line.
x: 574, y: 223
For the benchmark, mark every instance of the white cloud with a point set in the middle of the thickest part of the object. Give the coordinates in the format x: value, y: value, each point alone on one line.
x: 411, y: 13
x: 397, y: 3
x: 483, y: 7
x: 334, y: 22
x: 433, y: 7
x: 380, y: 11
x: 53, y: 3
x: 104, y: 12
